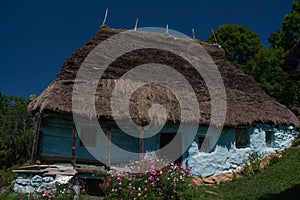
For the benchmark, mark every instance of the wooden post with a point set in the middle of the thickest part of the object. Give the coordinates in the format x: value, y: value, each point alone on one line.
x: 74, y: 138
x: 141, y: 144
x: 36, y: 140
x: 108, y: 138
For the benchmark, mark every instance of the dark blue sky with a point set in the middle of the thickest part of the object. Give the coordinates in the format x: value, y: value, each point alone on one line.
x: 37, y: 36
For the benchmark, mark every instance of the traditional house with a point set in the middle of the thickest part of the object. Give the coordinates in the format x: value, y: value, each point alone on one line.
x: 254, y: 121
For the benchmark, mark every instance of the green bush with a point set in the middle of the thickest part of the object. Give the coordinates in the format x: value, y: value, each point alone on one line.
x: 252, y: 164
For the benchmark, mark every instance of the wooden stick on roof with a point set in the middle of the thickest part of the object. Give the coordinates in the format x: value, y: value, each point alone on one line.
x: 193, y: 32
x: 136, y: 24
x: 212, y: 30
x: 105, y: 16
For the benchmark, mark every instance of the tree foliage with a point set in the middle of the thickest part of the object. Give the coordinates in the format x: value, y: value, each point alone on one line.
x: 244, y: 49
x: 266, y: 69
x: 239, y: 42
x: 16, y: 131
x: 287, y: 36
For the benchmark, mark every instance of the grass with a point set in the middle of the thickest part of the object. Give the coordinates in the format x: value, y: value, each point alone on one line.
x: 280, y: 181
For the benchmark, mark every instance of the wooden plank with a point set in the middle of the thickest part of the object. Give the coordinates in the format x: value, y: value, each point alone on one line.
x: 91, y: 171
x: 63, y: 170
x: 28, y: 171
x: 74, y: 138
x: 52, y: 170
x: 108, y: 139
x: 141, y: 144
x: 36, y: 140
x: 34, y: 167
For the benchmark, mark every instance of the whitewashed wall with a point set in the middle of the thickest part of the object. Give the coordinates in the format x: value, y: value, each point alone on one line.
x: 225, y: 157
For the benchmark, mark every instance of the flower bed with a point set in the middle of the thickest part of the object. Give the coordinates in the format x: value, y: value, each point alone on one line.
x: 149, y: 179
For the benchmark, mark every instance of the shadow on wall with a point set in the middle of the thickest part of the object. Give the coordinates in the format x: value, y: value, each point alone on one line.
x: 288, y: 194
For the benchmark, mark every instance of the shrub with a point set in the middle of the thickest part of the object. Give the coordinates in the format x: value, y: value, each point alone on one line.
x: 149, y: 179
x: 252, y: 164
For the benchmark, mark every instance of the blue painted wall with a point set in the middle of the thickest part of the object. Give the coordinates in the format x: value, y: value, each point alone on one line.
x: 56, y: 138
x: 223, y: 157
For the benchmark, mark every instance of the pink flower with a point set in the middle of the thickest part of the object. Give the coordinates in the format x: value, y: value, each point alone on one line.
x: 152, y: 167
x: 153, y: 172
x: 47, y: 193
x: 151, y: 178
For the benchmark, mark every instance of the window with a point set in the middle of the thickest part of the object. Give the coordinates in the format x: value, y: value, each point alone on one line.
x: 241, y: 138
x: 268, y: 138
x: 203, y: 143
x: 88, y: 137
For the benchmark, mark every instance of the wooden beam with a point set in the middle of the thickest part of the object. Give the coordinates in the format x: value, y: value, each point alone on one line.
x: 36, y: 140
x: 74, y: 138
x: 141, y: 144
x: 108, y: 139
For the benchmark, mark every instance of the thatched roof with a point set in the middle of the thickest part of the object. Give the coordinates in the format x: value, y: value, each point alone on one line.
x: 246, y: 102
x: 292, y: 62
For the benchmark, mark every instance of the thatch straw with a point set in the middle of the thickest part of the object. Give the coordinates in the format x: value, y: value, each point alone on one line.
x: 246, y: 102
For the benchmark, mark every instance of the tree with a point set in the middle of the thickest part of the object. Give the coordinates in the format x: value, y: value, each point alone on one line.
x: 16, y: 131
x: 287, y: 36
x: 266, y: 69
x: 239, y: 42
